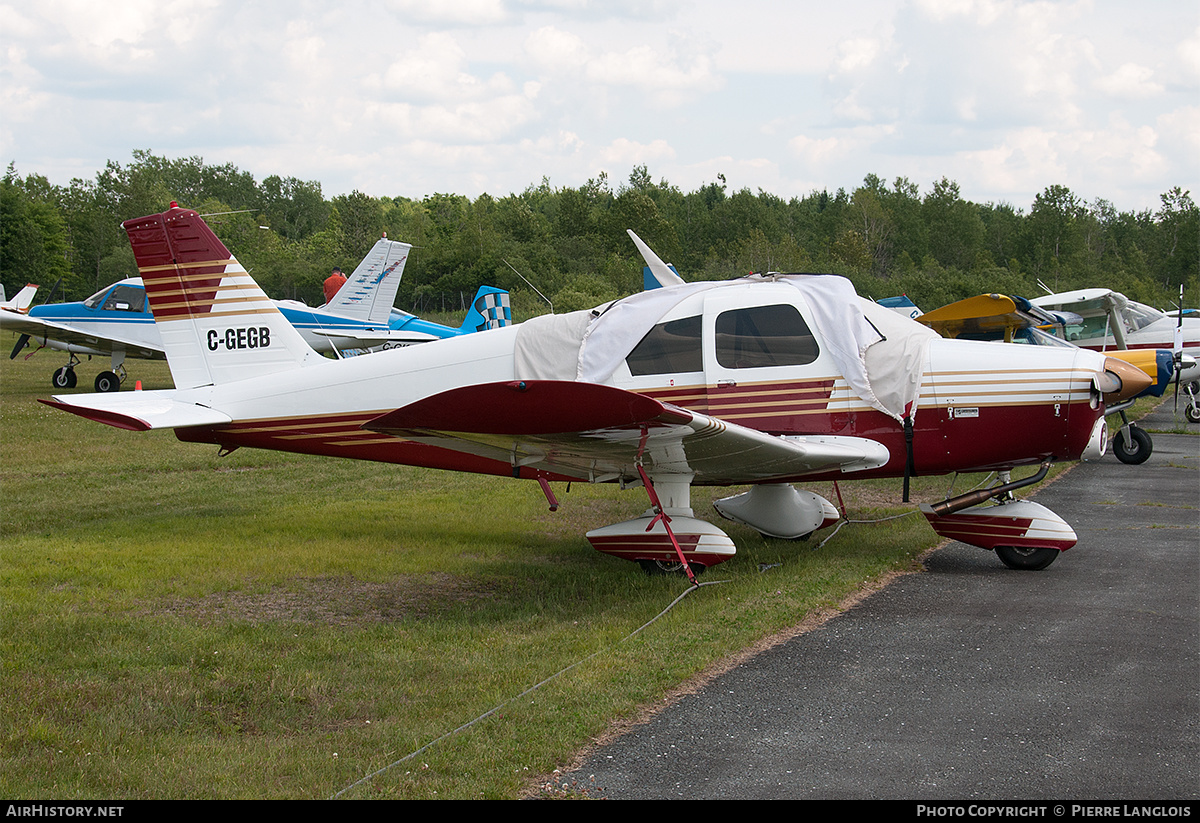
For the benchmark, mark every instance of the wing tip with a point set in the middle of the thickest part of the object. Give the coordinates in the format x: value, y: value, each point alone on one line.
x: 110, y: 418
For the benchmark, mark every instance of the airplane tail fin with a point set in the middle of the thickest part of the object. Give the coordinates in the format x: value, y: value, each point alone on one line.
x: 21, y: 301
x: 369, y: 293
x: 217, y: 325
x: 659, y: 274
x: 489, y: 310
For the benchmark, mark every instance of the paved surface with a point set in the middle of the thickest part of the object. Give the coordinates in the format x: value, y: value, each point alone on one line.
x: 971, y: 680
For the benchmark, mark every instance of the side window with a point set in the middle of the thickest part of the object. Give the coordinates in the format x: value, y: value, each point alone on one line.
x: 764, y: 336
x: 668, y: 348
x: 125, y: 298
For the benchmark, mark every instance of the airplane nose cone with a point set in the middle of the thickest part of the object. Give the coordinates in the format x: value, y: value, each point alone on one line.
x: 1130, y: 381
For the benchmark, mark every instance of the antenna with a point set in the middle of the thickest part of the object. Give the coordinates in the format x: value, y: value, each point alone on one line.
x: 535, y: 288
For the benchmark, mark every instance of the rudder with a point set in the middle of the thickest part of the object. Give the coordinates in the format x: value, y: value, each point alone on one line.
x: 489, y: 310
x: 217, y: 325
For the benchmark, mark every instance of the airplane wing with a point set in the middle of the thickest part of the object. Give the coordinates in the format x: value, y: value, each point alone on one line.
x: 600, y: 433
x: 39, y: 329
x: 138, y: 411
x: 981, y: 314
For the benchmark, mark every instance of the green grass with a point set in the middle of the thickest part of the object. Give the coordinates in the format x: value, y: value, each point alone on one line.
x: 174, y: 624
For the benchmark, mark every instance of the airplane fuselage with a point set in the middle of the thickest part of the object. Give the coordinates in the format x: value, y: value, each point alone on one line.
x: 1038, y: 405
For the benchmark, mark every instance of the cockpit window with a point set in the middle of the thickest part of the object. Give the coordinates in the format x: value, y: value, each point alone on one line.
x: 1138, y: 317
x: 1039, y: 337
x: 95, y: 300
x: 120, y: 298
x: 668, y: 348
x: 764, y: 336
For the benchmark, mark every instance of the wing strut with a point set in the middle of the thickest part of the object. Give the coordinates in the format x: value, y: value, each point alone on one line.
x: 659, y: 514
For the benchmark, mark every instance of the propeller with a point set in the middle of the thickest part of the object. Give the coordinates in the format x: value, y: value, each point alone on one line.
x: 1178, y: 348
x: 53, y: 289
x: 23, y: 340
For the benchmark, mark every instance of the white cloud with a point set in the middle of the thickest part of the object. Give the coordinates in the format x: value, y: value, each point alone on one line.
x: 553, y: 50
x: 1189, y: 55
x: 623, y: 153
x: 450, y: 12
x: 438, y: 69
x: 857, y: 53
x: 1005, y: 96
x: 657, y: 71
x: 1130, y: 81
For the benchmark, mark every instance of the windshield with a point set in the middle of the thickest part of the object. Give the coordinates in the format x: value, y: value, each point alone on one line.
x: 1139, y: 316
x: 1038, y: 337
x: 95, y: 300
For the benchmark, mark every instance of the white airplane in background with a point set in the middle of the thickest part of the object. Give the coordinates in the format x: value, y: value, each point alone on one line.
x: 761, y: 381
x: 117, y: 322
x: 21, y: 301
x: 1111, y: 321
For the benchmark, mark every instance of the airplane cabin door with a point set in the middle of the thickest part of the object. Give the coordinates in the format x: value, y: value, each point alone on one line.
x: 764, y: 363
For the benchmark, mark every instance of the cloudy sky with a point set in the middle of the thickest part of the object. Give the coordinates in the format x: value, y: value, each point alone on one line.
x: 412, y: 97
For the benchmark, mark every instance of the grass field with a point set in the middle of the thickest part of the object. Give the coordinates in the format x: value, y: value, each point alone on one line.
x: 177, y: 624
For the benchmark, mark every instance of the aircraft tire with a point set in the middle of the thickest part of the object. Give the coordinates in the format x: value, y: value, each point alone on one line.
x: 1137, y: 450
x: 659, y: 568
x: 1026, y: 559
x: 63, y: 378
x: 107, y: 381
x: 1192, y: 413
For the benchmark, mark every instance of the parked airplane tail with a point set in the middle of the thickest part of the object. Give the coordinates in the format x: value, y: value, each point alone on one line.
x: 489, y: 310
x: 217, y: 325
x: 369, y: 293
x: 21, y: 302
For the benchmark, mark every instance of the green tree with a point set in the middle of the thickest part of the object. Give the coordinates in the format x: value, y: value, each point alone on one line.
x: 33, y: 233
x: 955, y: 228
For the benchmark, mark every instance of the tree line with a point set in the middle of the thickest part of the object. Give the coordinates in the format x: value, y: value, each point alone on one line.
x: 568, y: 247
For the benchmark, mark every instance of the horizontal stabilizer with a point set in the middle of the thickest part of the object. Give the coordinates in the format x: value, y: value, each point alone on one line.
x: 376, y: 337
x: 138, y: 411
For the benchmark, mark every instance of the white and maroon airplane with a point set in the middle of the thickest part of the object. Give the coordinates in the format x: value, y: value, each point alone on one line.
x: 761, y: 381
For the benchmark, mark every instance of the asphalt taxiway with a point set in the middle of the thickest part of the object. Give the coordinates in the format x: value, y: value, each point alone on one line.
x: 971, y: 680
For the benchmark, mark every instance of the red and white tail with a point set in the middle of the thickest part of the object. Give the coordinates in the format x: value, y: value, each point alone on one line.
x: 217, y: 325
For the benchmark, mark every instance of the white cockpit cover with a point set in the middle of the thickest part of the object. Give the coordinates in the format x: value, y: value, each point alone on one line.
x: 881, y: 356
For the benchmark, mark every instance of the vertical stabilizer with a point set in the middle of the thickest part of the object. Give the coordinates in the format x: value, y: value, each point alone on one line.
x: 217, y: 325
x: 369, y: 293
x: 489, y: 310
x: 21, y: 302
x: 660, y: 271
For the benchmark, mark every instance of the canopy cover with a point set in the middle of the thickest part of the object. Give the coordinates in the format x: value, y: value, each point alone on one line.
x: 880, y: 353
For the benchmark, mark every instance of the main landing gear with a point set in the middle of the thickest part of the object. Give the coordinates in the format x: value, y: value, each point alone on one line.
x: 63, y: 378
x: 106, y: 381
